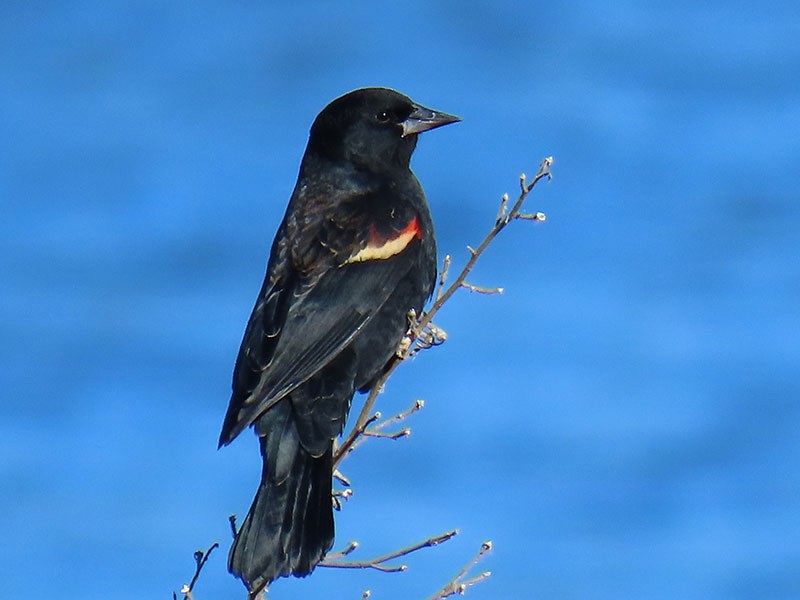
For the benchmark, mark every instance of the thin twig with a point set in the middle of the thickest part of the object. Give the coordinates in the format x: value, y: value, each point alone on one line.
x: 481, y: 290
x: 501, y: 213
x: 341, y: 478
x: 343, y: 552
x: 349, y: 443
x: 376, y: 431
x: 539, y: 216
x: 379, y: 563
x: 389, y: 436
x: 443, y: 276
x: 338, y: 495
x: 200, y: 559
x: 401, y: 416
x: 459, y: 585
x: 232, y: 523
x: 475, y: 253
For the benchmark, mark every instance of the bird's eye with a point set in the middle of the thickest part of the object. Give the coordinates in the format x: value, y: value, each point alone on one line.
x: 384, y: 116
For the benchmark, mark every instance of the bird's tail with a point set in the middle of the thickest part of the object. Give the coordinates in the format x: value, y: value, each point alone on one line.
x: 290, y: 525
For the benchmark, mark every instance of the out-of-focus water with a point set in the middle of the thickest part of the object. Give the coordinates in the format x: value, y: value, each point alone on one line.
x: 623, y: 422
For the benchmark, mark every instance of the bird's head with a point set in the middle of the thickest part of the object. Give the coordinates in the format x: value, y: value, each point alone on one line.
x: 372, y: 127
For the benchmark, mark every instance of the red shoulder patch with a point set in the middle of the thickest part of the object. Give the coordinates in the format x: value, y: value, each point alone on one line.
x: 380, y: 247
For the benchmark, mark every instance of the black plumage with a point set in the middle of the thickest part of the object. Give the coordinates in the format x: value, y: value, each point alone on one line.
x: 354, y: 253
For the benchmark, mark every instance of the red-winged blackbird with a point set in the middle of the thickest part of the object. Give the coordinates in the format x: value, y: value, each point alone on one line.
x: 354, y: 253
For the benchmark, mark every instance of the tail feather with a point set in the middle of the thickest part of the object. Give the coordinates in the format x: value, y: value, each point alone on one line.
x: 289, y: 527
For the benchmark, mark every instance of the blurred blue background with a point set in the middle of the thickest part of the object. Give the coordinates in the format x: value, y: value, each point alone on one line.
x: 623, y: 422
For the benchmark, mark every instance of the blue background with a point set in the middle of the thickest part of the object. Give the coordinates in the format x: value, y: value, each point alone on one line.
x: 623, y: 422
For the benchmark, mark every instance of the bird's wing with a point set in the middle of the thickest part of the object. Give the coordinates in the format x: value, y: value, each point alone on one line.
x: 327, y: 278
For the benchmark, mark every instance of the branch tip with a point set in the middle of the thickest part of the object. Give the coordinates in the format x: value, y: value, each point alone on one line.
x: 200, y: 559
x: 458, y: 585
x: 341, y: 477
x: 537, y: 216
x: 481, y: 290
x: 232, y: 523
x: 501, y: 213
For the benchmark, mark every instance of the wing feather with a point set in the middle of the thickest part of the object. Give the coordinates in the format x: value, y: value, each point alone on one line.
x: 307, y: 314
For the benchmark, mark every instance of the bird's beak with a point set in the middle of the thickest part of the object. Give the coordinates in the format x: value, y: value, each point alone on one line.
x: 422, y: 119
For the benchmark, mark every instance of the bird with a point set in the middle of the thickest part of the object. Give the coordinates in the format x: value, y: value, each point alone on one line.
x: 354, y: 254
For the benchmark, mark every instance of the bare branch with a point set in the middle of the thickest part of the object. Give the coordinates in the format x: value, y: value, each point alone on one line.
x: 200, y: 559
x: 379, y: 563
x: 544, y: 171
x: 390, y: 436
x: 459, y: 585
x: 408, y: 346
x: 362, y: 421
x: 475, y: 253
x: 338, y: 496
x: 422, y: 333
x: 349, y: 443
x: 418, y: 405
x: 344, y: 552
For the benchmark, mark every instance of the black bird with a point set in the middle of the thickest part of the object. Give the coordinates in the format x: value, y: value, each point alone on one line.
x: 354, y: 253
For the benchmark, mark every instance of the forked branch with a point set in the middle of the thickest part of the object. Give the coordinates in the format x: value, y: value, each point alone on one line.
x: 422, y: 332
x: 459, y: 583
x: 200, y: 559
